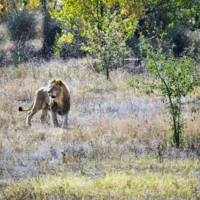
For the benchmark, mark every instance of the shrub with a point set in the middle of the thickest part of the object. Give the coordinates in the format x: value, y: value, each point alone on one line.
x: 21, y: 27
x: 133, y: 42
x: 70, y: 49
x: 177, y: 35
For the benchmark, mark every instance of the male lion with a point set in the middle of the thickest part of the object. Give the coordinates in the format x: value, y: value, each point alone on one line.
x: 55, y: 98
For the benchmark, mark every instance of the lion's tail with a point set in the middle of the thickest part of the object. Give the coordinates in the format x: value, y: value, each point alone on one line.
x: 20, y: 108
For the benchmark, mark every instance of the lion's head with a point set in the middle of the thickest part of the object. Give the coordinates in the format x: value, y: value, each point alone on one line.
x: 56, y: 87
x: 59, y: 92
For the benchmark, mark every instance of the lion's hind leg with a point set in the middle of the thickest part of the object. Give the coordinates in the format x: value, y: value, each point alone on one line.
x: 30, y: 115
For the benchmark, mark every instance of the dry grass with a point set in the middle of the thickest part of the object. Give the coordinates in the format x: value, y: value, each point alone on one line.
x: 115, y: 147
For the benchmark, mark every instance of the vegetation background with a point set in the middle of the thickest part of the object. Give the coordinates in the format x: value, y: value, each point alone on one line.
x: 120, y: 141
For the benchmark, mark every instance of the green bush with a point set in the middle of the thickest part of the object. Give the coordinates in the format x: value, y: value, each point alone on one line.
x: 177, y: 35
x: 21, y: 27
x: 72, y: 50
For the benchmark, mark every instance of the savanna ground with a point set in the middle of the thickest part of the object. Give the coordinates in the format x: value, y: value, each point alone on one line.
x: 116, y: 145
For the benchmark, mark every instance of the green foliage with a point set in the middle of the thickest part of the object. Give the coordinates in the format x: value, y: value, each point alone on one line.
x: 178, y: 35
x: 175, y: 18
x: 83, y: 16
x: 107, y: 45
x: 170, y: 140
x: 172, y: 78
x: 21, y: 26
x: 61, y: 40
x: 6, y: 7
x: 161, y: 15
x: 37, y: 5
x: 78, y: 13
x: 68, y: 44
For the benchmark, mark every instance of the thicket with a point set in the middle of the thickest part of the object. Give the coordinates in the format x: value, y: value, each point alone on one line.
x: 151, y: 18
x: 28, y: 20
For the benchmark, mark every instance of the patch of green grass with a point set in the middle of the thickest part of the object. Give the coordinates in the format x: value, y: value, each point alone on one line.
x: 138, y: 186
x: 157, y: 180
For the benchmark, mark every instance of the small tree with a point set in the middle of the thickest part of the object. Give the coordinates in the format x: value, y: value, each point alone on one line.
x: 106, y: 46
x: 173, y: 77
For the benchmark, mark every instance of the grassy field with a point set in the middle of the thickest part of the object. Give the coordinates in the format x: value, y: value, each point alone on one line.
x: 116, y: 145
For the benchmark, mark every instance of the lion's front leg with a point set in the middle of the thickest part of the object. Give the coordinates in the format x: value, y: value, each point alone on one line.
x: 54, y: 116
x: 65, y: 119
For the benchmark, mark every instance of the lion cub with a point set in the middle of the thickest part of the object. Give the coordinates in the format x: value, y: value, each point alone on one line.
x: 55, y: 98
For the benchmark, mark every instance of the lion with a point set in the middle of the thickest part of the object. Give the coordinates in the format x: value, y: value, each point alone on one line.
x: 55, y: 98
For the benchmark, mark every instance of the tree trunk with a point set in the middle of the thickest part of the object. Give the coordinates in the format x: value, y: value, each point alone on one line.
x: 176, y: 132
x: 107, y: 72
x: 44, y: 5
x: 176, y: 138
